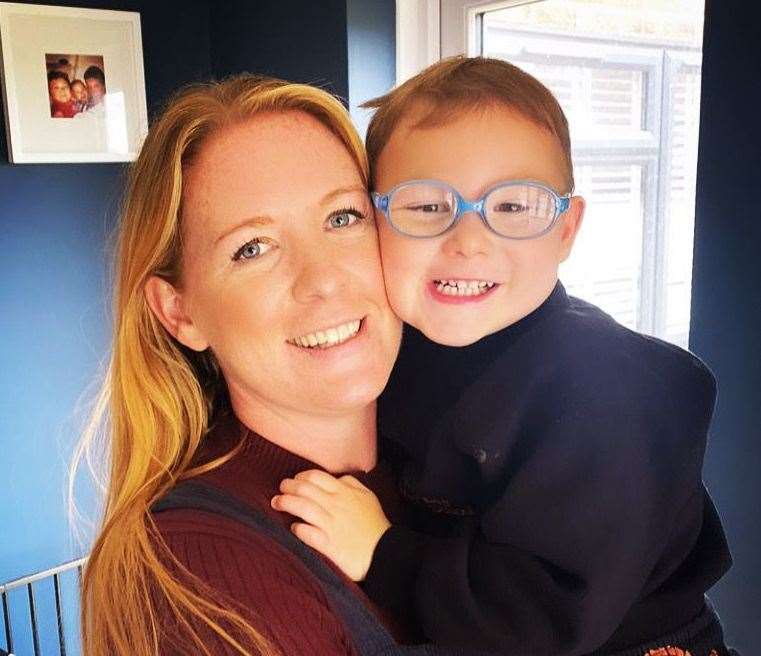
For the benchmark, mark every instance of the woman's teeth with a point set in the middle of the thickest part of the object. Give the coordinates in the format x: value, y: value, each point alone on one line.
x: 463, y: 287
x: 328, y: 337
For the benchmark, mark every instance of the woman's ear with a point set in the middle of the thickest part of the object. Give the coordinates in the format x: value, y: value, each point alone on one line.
x: 572, y: 219
x: 166, y: 304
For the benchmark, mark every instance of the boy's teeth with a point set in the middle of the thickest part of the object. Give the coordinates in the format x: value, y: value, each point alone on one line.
x: 463, y: 287
x: 328, y: 337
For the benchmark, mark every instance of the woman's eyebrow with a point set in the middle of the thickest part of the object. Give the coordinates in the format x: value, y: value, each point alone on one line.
x: 343, y: 191
x: 254, y: 221
x: 264, y: 219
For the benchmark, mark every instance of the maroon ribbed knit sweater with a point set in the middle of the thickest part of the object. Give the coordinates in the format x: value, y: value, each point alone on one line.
x: 281, y: 597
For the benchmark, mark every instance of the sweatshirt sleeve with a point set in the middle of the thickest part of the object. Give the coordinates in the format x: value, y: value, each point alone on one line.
x: 271, y: 588
x: 581, y: 525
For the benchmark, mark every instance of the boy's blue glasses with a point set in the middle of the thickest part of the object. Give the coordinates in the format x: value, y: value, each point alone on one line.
x: 520, y: 209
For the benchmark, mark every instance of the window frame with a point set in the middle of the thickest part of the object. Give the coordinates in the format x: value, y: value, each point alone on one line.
x: 418, y: 37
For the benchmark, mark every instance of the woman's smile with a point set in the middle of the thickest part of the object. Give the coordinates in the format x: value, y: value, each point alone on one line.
x: 328, y: 337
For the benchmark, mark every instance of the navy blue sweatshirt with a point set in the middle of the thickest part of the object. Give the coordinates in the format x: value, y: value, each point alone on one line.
x: 555, y: 469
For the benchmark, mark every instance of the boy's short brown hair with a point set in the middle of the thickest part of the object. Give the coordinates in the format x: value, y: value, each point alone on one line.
x: 452, y: 85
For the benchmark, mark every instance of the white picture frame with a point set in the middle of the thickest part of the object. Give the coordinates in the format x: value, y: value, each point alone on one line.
x: 105, y: 119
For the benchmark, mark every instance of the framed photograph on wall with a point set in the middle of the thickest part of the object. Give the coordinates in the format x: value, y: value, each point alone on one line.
x: 73, y: 84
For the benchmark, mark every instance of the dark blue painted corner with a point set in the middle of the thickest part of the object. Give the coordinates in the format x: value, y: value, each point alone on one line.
x: 726, y: 300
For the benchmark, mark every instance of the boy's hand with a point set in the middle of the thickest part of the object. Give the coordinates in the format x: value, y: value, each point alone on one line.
x: 343, y: 519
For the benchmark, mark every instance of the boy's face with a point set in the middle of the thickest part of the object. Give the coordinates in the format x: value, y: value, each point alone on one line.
x: 472, y: 153
x: 59, y: 90
x: 79, y: 92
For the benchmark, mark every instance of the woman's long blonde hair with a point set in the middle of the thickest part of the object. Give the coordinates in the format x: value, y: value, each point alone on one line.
x: 158, y: 398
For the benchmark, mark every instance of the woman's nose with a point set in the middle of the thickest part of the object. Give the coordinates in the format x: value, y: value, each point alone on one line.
x: 469, y: 238
x: 318, y: 275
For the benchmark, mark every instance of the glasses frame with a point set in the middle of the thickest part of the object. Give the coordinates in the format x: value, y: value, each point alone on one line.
x: 463, y: 206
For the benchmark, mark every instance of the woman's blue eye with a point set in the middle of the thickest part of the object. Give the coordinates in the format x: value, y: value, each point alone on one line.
x: 344, y: 219
x: 251, y: 250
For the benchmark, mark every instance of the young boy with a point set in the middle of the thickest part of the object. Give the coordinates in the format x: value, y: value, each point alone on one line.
x: 553, y: 456
x: 79, y: 94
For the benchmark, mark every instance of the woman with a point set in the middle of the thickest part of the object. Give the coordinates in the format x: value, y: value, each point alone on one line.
x: 251, y: 339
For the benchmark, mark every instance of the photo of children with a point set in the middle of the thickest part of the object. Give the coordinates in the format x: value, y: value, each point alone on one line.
x: 76, y: 85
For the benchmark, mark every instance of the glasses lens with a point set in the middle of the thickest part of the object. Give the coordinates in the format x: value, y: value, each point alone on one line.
x: 421, y: 209
x: 520, y: 211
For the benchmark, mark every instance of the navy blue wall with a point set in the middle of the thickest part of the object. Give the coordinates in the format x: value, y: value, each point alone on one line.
x: 346, y: 46
x: 297, y: 40
x: 726, y: 299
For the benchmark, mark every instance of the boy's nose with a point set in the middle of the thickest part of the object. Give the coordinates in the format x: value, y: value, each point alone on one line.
x: 469, y: 238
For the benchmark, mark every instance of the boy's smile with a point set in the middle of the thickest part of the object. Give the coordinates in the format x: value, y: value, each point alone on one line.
x: 461, y: 291
x: 469, y: 282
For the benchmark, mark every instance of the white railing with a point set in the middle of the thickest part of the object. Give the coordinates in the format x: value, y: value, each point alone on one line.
x: 29, y: 582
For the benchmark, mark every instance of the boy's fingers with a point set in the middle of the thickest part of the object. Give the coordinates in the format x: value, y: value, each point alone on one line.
x: 306, y: 509
x: 320, y: 478
x: 310, y: 535
x: 351, y: 481
x: 304, y: 488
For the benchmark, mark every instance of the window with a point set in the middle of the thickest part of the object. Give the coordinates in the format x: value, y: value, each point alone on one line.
x: 627, y: 73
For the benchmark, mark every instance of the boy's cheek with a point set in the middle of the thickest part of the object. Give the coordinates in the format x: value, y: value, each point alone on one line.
x: 399, y: 286
x: 402, y: 271
x: 400, y: 303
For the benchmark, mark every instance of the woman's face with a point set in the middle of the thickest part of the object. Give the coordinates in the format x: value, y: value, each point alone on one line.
x: 59, y: 90
x: 281, y: 273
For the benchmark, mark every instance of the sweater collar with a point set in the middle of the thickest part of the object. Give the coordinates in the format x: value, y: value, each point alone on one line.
x: 272, y: 463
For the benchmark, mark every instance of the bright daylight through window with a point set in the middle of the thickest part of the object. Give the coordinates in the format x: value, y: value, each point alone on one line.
x: 627, y: 73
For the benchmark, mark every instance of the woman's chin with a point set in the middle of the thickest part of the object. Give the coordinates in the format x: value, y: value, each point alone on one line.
x: 348, y: 403
x: 348, y: 393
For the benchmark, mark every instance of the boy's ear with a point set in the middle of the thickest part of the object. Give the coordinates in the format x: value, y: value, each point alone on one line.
x: 166, y: 304
x: 571, y: 223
